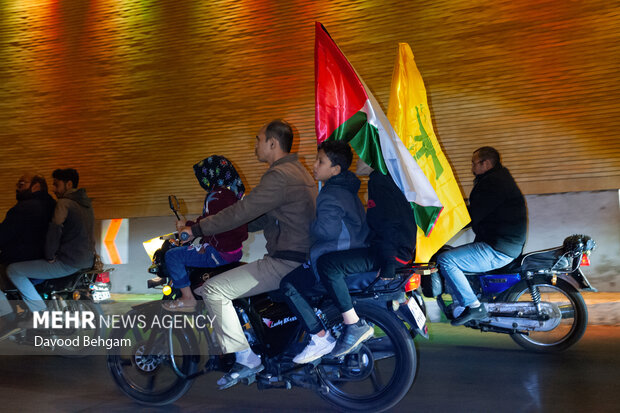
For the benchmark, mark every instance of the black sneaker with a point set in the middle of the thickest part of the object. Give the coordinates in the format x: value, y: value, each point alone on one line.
x: 453, y: 310
x: 352, y: 336
x: 476, y: 313
x: 237, y: 373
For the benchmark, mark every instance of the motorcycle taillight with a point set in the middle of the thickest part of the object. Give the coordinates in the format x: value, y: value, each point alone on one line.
x: 103, y: 277
x: 413, y: 283
x: 585, y: 260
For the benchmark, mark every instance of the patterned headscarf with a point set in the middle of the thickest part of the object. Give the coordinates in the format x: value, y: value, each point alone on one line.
x: 219, y: 171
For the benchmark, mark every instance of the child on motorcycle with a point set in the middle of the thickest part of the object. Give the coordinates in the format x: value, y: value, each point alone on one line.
x: 224, y: 187
x: 340, y: 223
x: 391, y: 242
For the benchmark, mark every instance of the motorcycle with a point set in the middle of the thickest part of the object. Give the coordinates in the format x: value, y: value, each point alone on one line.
x: 535, y: 299
x: 80, y: 292
x: 163, y: 362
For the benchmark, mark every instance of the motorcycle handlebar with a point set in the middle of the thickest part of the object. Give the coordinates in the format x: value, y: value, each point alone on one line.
x: 183, y: 236
x: 169, y: 236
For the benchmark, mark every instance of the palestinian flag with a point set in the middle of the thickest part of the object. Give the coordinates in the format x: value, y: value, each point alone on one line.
x: 346, y: 110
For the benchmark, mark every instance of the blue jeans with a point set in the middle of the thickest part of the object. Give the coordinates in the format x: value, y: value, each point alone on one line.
x: 475, y: 257
x: 5, y: 307
x: 21, y: 272
x: 177, y: 259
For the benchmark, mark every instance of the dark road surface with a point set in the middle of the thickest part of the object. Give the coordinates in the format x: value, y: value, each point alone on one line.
x: 460, y: 370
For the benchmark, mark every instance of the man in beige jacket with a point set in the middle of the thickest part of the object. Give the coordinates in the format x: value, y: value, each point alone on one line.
x: 283, y: 204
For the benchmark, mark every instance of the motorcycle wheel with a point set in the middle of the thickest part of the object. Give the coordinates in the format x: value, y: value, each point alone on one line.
x: 574, y: 316
x: 380, y: 374
x: 150, y: 379
x: 77, y: 306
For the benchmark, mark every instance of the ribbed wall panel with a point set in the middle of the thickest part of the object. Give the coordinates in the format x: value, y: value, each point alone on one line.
x: 132, y: 93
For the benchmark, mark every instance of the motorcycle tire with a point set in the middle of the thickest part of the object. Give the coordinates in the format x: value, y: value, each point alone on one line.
x: 391, y: 351
x: 570, y: 329
x: 135, y: 373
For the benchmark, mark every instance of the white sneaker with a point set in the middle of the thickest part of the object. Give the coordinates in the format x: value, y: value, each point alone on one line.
x: 317, y: 348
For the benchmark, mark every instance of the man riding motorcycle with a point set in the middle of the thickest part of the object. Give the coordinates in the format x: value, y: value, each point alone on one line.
x: 499, y: 220
x: 69, y: 245
x: 284, y: 203
x: 22, y: 233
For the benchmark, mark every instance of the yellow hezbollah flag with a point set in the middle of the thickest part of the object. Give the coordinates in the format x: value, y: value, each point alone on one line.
x: 410, y: 117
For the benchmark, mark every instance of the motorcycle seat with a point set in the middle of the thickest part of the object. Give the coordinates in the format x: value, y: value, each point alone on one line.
x: 549, y: 259
x: 37, y: 281
x: 355, y: 282
x: 552, y: 258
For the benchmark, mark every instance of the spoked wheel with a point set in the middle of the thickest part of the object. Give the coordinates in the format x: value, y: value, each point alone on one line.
x: 571, y: 319
x: 75, y: 340
x: 380, y: 373
x: 145, y: 371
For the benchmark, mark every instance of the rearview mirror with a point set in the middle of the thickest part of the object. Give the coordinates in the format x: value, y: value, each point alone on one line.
x: 174, y: 203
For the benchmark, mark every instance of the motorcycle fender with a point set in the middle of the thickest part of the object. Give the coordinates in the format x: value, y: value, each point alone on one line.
x: 578, y: 280
x: 404, y: 314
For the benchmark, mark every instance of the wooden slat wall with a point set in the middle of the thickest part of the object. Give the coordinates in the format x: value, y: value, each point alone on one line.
x: 133, y: 92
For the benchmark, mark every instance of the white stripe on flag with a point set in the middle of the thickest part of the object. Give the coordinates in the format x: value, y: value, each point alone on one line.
x: 402, y: 166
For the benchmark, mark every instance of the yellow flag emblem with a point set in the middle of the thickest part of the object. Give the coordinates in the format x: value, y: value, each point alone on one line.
x: 410, y: 117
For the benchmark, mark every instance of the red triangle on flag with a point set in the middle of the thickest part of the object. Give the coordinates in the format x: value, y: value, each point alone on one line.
x: 339, y: 92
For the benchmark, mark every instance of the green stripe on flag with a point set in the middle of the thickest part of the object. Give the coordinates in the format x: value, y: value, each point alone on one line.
x: 425, y: 217
x: 363, y: 138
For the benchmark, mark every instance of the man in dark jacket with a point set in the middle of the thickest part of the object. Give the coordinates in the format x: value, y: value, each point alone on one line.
x: 392, y: 243
x: 499, y: 220
x: 69, y: 244
x: 22, y: 233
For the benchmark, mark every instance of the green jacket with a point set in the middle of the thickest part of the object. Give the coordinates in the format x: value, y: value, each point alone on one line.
x: 284, y: 203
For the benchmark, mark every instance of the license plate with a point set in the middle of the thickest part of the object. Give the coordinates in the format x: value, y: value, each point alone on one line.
x: 416, y: 311
x: 100, y: 296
